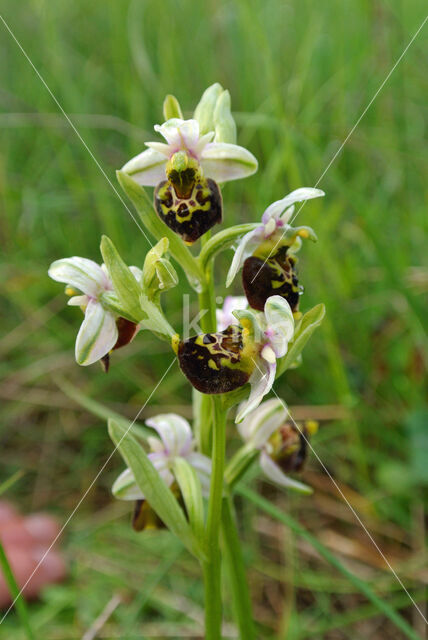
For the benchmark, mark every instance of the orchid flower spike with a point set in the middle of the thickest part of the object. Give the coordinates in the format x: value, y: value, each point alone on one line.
x: 175, y: 441
x: 282, y: 444
x: 102, y: 329
x: 267, y: 253
x: 185, y: 170
x: 224, y: 361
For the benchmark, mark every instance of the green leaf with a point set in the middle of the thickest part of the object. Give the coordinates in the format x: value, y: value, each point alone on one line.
x: 19, y: 602
x: 223, y: 240
x: 307, y: 325
x: 359, y: 584
x: 159, y: 496
x: 125, y: 285
x: 158, y: 229
x: 171, y: 108
x: 190, y: 487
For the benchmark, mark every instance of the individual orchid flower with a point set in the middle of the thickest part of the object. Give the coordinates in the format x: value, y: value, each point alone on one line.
x: 175, y: 441
x: 185, y: 171
x: 271, y: 332
x: 102, y: 329
x: 282, y: 444
x: 224, y: 361
x: 225, y: 315
x: 267, y: 253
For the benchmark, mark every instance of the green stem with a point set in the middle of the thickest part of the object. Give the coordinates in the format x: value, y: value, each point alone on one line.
x: 212, y: 566
x: 236, y: 571
x: 21, y: 607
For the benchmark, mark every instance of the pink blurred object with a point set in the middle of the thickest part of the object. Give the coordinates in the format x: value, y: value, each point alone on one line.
x: 27, y: 542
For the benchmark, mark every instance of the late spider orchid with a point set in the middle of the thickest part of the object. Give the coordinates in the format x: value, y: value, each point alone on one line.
x: 102, y: 329
x: 185, y: 171
x: 282, y: 444
x: 175, y: 441
x: 224, y: 361
x: 267, y: 253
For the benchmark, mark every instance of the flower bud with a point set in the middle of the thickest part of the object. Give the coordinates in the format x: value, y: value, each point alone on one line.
x: 171, y: 108
x: 225, y: 127
x: 158, y: 273
x: 204, y: 112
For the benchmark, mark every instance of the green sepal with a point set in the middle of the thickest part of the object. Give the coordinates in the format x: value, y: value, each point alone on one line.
x: 304, y: 329
x: 156, y: 492
x: 125, y: 285
x: 171, y: 108
x: 156, y: 321
x: 222, y: 241
x: 190, y: 487
x: 158, y: 230
x: 204, y: 112
x: 225, y: 127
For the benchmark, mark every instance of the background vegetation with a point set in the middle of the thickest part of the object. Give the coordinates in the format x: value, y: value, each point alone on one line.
x: 300, y: 74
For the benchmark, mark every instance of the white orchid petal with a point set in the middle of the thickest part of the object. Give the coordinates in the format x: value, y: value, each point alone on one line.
x: 268, y: 354
x: 180, y: 134
x: 298, y: 195
x: 225, y: 315
x: 202, y: 466
x: 81, y: 273
x: 288, y: 214
x: 280, y: 323
x: 246, y: 246
x: 261, y: 423
x: 125, y: 487
x: 274, y: 473
x: 160, y: 461
x: 202, y: 143
x: 97, y: 335
x: 223, y: 162
x: 147, y: 169
x: 261, y: 381
x: 160, y: 147
x: 174, y: 431
x: 78, y: 301
x: 137, y: 273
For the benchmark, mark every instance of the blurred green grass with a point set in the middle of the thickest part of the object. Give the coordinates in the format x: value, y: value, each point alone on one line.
x: 300, y: 75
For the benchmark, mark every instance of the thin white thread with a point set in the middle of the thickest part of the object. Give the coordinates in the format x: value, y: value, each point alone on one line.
x: 346, y: 139
x: 73, y: 127
x: 355, y: 514
x: 86, y: 493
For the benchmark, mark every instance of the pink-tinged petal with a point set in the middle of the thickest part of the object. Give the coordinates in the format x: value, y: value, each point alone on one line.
x: 179, y: 134
x: 245, y: 248
x: 274, y: 473
x: 160, y: 147
x: 174, y: 431
x: 280, y: 324
x: 298, y: 195
x: 202, y: 466
x: 202, y: 143
x: 97, y: 335
x: 223, y: 162
x: 225, y: 316
x: 80, y: 273
x: 258, y: 426
x: 78, y: 301
x: 147, y: 169
x: 287, y: 215
x: 261, y: 382
x: 160, y: 461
